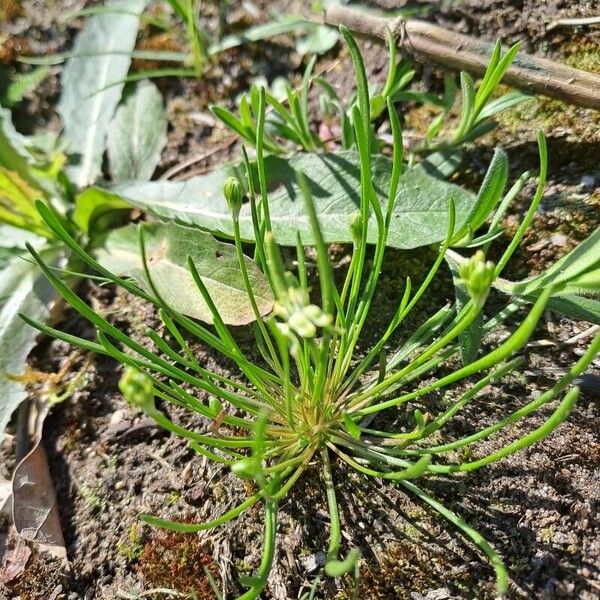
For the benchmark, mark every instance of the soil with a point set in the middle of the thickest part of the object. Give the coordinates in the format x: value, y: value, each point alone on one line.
x: 539, y: 508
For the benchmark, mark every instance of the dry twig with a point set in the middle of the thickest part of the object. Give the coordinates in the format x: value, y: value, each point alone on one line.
x: 428, y: 43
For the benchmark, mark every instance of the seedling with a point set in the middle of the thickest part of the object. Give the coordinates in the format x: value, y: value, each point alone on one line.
x: 289, y: 122
x: 311, y: 397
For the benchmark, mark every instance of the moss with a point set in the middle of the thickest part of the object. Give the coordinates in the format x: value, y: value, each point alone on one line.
x: 131, y: 548
x: 92, y: 497
x: 41, y: 578
x: 178, y: 561
x: 546, y: 534
x: 408, y: 567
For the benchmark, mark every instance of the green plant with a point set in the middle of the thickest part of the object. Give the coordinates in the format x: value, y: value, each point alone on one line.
x: 203, y: 44
x: 189, y: 13
x: 291, y: 123
x: 311, y: 396
x: 59, y: 171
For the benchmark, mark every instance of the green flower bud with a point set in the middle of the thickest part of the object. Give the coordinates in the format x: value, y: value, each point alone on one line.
x: 356, y: 226
x: 302, y: 325
x: 137, y: 388
x: 246, y: 468
x: 477, y: 274
x: 233, y: 192
x: 317, y: 316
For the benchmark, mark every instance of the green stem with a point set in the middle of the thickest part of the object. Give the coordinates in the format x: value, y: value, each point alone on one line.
x: 335, y: 535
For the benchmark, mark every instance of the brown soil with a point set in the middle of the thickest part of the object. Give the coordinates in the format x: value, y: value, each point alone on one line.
x: 539, y: 508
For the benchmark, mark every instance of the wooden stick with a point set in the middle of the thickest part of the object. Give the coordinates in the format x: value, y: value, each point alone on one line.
x: 429, y: 44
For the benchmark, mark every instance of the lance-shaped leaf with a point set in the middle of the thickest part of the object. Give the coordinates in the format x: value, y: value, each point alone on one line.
x: 17, y: 203
x: 92, y: 82
x: 24, y: 289
x: 420, y: 215
x: 137, y: 134
x: 167, y: 249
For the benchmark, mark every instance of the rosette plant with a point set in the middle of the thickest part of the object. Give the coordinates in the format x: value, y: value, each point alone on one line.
x: 312, y: 398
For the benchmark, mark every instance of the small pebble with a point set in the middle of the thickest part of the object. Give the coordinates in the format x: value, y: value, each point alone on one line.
x: 558, y: 239
x: 314, y: 561
x: 117, y: 417
x: 588, y: 182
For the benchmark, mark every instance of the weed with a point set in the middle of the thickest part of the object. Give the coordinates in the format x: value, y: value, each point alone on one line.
x: 313, y: 397
x: 178, y: 562
x: 132, y: 547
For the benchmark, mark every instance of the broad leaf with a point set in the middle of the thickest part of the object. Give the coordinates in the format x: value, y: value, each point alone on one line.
x: 137, y: 134
x: 167, y: 249
x: 319, y: 41
x: 24, y: 289
x: 88, y: 99
x: 420, y: 215
x: 95, y: 209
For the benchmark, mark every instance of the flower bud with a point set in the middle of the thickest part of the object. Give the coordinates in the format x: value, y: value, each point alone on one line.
x: 246, y: 468
x: 233, y: 192
x: 477, y: 274
x: 317, y: 316
x: 137, y: 388
x: 356, y: 227
x: 302, y: 325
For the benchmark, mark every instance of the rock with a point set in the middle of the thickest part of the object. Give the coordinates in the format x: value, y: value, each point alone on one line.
x: 588, y: 182
x: 313, y: 562
x: 559, y: 239
x: 196, y: 495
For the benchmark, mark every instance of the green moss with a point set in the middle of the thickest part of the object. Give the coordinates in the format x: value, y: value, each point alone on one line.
x: 131, y: 547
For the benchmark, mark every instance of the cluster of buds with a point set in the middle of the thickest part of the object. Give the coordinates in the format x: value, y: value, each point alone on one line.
x: 299, y: 316
x: 477, y: 274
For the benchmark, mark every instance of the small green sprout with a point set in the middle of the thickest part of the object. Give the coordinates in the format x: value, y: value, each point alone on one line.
x: 311, y: 396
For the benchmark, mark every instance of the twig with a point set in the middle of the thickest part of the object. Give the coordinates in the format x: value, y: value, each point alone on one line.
x: 583, y: 335
x: 573, y: 22
x: 428, y: 43
x: 170, y: 174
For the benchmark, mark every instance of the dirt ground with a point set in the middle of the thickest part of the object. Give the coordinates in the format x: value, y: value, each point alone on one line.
x: 540, y: 508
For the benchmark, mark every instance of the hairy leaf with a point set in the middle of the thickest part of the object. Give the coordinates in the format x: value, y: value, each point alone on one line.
x: 167, y: 249
x: 420, y: 215
x: 23, y: 288
x: 88, y: 99
x: 137, y: 134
